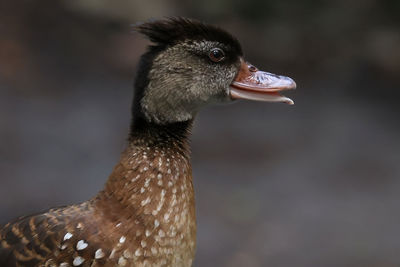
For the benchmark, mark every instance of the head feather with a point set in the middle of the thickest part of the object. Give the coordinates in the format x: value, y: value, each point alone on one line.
x: 172, y: 30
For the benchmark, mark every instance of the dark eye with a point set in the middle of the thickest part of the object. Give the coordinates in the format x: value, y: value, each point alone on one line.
x: 216, y: 55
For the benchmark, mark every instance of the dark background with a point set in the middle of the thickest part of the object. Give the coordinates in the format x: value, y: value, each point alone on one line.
x: 315, y: 184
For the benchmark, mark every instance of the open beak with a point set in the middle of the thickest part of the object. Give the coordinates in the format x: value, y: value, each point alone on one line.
x: 253, y: 84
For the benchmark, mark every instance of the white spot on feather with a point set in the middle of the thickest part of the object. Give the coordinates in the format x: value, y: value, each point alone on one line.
x: 122, y: 261
x: 67, y: 236
x: 112, y: 254
x: 148, y: 233
x: 99, y: 254
x: 135, y: 178
x: 122, y: 239
x: 138, y: 252
x: 81, y: 245
x: 166, y: 217
x: 145, y: 201
x: 147, y: 182
x: 78, y: 261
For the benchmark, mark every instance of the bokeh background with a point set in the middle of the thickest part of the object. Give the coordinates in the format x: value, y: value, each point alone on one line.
x: 315, y: 184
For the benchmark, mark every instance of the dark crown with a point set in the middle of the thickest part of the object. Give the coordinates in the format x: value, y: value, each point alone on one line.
x: 172, y: 30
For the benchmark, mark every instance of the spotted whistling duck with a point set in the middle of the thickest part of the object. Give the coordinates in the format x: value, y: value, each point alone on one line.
x: 145, y: 215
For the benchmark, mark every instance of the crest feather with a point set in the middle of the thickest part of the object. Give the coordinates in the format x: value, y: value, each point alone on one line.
x: 169, y: 31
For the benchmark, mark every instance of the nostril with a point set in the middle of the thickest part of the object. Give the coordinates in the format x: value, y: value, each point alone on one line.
x: 252, y: 68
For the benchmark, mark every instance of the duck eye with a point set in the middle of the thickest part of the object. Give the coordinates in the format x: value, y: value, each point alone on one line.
x: 216, y: 55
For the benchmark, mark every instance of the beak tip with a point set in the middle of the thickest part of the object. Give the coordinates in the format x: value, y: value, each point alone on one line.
x: 290, y: 102
x: 292, y: 85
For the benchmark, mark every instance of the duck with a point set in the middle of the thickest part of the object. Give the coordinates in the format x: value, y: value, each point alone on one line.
x: 145, y: 214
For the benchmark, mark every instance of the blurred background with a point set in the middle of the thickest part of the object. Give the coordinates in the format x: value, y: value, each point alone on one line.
x: 315, y: 184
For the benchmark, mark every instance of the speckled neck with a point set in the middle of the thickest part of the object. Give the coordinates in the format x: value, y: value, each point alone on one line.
x: 150, y: 195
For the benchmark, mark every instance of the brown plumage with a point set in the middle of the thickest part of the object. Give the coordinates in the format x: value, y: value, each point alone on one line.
x: 145, y: 215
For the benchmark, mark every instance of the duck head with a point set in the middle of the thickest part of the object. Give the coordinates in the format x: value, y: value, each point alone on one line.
x: 191, y: 64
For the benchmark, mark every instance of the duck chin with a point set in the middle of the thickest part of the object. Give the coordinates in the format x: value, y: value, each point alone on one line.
x: 236, y: 93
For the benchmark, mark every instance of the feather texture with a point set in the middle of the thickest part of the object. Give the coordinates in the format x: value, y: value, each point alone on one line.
x: 175, y: 29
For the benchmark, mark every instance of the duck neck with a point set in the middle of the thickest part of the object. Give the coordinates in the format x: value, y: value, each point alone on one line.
x: 153, y: 180
x: 148, y: 134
